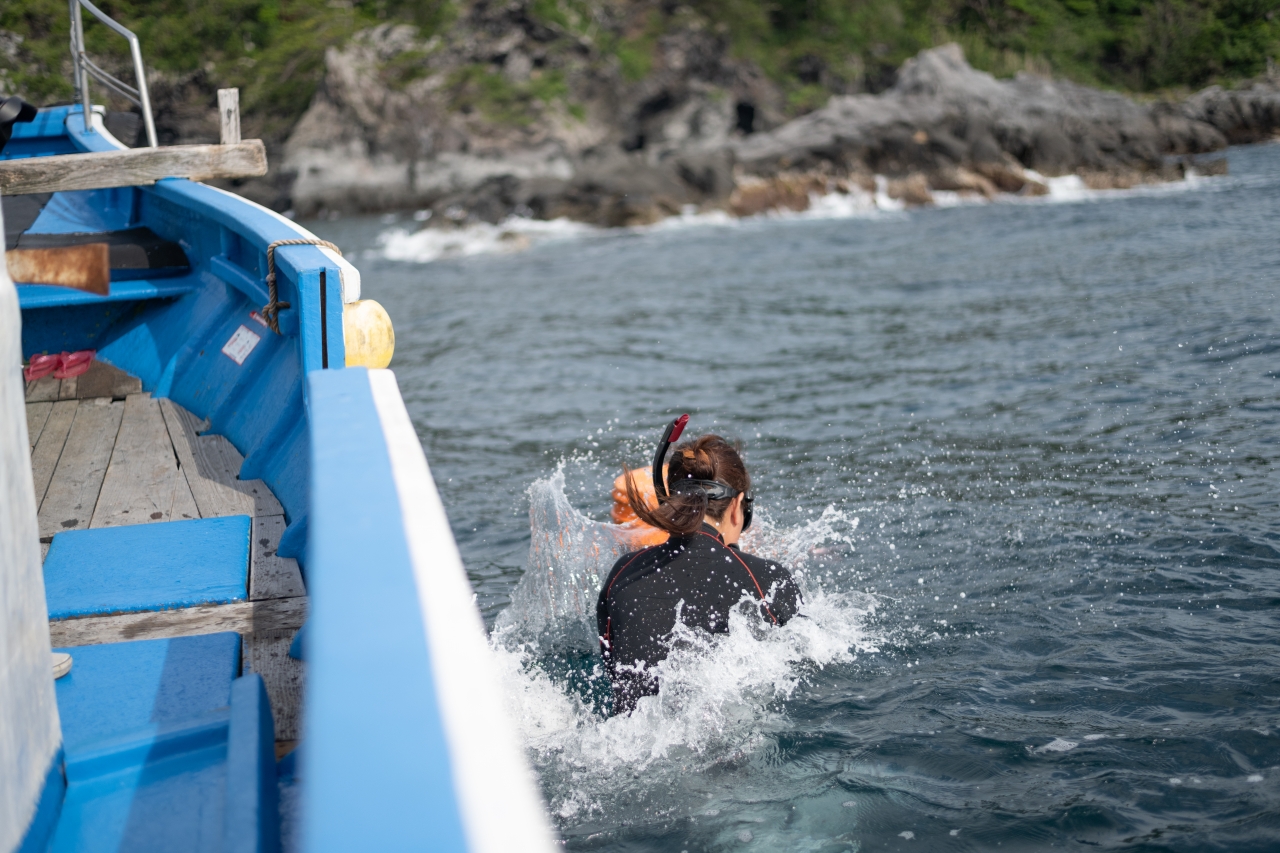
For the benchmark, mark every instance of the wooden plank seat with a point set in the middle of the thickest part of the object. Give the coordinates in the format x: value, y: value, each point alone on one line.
x: 148, y: 567
x: 51, y: 270
x: 33, y: 296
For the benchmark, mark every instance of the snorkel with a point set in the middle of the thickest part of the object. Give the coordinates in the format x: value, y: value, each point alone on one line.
x: 714, y: 490
x: 670, y: 437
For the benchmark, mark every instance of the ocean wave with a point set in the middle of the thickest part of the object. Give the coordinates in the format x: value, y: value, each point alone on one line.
x: 514, y: 234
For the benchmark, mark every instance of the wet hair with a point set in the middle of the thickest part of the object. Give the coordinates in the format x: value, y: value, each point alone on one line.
x: 709, y: 457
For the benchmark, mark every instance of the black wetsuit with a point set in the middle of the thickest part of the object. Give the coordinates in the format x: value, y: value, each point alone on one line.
x: 698, y: 576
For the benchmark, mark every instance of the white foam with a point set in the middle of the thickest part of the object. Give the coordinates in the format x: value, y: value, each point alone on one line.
x: 853, y: 205
x: 1058, y: 745
x: 512, y: 235
x: 688, y: 216
x: 1071, y: 189
x: 882, y: 195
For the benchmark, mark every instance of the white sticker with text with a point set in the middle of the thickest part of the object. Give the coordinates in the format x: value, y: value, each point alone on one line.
x: 240, y: 345
x: 259, y: 319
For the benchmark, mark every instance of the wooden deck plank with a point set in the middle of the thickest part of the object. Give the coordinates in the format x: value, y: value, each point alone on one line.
x: 37, y: 414
x: 267, y: 653
x: 43, y: 390
x: 242, y: 617
x: 105, y: 380
x: 224, y: 462
x: 100, y: 380
x: 213, y: 498
x: 143, y: 484
x: 53, y: 436
x: 73, y: 491
x: 270, y: 575
x: 212, y: 467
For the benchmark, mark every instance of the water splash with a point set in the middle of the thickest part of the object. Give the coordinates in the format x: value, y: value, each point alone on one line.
x: 722, y: 698
x: 569, y: 554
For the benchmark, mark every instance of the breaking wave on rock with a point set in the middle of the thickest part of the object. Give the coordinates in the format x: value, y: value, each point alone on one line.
x: 518, y: 233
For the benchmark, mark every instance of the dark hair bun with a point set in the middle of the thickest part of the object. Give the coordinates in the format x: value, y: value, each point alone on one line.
x: 709, y: 457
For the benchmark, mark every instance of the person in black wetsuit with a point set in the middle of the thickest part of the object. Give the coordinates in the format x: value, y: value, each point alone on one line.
x: 698, y: 573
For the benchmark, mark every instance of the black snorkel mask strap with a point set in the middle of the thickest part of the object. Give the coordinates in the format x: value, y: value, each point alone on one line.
x: 711, y: 489
x: 670, y: 437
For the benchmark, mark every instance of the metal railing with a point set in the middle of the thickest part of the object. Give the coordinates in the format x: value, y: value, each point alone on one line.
x: 85, y: 68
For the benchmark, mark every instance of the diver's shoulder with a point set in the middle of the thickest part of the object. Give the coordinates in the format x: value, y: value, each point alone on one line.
x: 631, y: 557
x: 771, y: 567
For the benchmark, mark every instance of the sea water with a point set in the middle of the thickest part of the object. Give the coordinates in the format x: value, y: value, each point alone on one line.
x: 1022, y: 458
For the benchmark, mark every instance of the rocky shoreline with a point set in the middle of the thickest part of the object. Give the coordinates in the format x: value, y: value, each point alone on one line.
x: 506, y: 119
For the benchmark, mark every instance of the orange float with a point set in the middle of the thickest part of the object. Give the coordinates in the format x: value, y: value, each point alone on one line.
x: 624, y: 515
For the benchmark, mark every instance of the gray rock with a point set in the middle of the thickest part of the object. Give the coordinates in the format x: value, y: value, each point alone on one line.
x: 942, y: 113
x: 704, y: 128
x: 1250, y: 114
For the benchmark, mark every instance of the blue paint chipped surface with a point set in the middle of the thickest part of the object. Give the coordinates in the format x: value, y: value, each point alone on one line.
x: 148, y: 566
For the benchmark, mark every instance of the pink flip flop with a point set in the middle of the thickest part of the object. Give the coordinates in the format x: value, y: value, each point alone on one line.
x: 73, y: 363
x: 40, y: 366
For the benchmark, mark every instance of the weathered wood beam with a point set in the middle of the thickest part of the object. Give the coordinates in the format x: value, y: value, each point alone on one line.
x: 131, y: 167
x: 242, y: 617
x: 86, y: 267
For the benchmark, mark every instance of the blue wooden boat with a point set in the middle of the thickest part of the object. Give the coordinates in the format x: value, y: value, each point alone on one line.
x: 224, y: 473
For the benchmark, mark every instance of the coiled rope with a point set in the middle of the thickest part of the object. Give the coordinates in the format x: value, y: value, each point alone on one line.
x: 271, y: 311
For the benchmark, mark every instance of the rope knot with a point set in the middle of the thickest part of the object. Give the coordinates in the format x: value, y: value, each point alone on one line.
x: 271, y: 311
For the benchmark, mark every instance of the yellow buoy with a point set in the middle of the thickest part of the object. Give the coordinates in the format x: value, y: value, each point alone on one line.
x: 367, y: 333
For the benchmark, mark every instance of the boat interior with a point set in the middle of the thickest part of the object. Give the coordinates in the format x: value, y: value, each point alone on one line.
x: 171, y: 487
x: 211, y: 467
x: 129, y: 489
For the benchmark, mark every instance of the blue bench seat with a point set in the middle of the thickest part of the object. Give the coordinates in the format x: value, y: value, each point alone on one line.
x: 32, y: 296
x: 148, y: 567
x: 165, y: 749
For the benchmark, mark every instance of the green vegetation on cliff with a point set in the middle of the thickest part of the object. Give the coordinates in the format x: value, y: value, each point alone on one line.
x: 274, y: 49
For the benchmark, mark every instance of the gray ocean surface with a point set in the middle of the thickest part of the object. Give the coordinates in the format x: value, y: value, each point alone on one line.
x: 1030, y: 451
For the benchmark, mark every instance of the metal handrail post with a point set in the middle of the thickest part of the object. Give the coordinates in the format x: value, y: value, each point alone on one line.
x: 144, y: 96
x: 77, y: 55
x: 82, y: 65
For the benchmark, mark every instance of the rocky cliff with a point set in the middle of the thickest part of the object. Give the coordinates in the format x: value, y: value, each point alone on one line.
x: 508, y: 116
